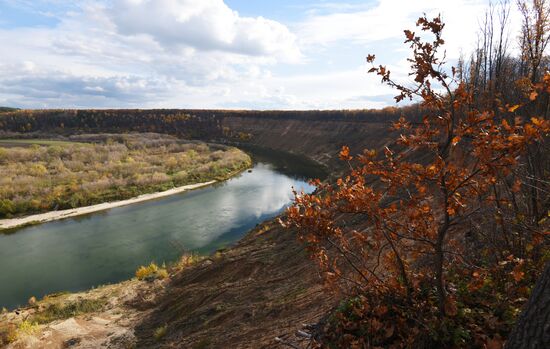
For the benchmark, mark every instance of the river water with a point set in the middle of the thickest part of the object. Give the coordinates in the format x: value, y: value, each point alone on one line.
x: 105, y: 247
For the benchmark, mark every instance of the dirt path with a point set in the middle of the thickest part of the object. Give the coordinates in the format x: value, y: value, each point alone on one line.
x: 61, y: 214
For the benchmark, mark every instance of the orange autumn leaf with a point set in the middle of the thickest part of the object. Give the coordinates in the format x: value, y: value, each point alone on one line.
x: 344, y: 153
x: 513, y: 108
x: 455, y: 140
x: 517, y: 275
x: 541, y: 123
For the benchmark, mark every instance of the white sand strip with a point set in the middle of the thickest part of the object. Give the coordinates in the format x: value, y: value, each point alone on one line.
x: 55, y: 215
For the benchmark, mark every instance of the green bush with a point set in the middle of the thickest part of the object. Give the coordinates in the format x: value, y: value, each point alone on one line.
x: 64, y: 311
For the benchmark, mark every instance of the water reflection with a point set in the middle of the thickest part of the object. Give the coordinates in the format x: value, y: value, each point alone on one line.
x: 76, y: 254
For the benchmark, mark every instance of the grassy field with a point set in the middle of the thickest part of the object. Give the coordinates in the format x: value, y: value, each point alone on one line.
x: 30, y: 142
x: 40, y: 175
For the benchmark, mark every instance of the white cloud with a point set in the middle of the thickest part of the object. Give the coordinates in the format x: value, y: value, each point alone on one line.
x: 387, y: 19
x: 89, y: 60
x: 54, y: 88
x: 202, y: 54
x: 204, y: 25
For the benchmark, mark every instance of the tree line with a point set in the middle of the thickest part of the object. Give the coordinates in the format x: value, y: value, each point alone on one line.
x: 191, y: 123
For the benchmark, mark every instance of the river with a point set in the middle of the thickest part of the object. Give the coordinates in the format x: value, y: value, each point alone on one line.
x: 78, y: 253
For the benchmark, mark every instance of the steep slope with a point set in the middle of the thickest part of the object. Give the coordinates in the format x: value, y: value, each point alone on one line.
x: 320, y: 140
x: 264, y: 287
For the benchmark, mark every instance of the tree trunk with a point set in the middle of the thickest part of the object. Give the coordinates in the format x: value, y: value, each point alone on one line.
x: 532, y: 330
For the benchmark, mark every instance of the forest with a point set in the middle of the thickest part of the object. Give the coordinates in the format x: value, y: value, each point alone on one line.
x: 187, y: 123
x: 44, y: 175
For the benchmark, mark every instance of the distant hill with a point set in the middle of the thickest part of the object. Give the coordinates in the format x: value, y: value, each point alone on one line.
x: 7, y: 109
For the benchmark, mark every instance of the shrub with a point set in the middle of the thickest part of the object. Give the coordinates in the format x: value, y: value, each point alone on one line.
x: 27, y: 327
x: 59, y: 311
x: 160, y: 332
x: 10, y: 333
x: 7, y: 208
x: 188, y: 260
x: 151, y: 272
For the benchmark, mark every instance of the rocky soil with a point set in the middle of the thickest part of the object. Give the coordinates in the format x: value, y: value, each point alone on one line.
x: 111, y: 326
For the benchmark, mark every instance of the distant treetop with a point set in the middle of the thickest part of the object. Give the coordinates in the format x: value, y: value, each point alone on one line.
x: 7, y: 109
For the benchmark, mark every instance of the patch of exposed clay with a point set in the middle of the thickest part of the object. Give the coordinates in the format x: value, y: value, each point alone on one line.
x: 111, y: 327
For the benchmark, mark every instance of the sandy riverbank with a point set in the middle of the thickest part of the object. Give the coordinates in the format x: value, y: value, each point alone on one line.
x: 73, y: 212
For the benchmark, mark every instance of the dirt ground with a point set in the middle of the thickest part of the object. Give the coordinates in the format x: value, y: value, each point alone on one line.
x: 257, y: 294
x: 110, y: 327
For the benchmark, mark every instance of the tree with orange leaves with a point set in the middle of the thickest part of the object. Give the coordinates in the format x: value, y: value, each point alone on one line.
x: 399, y: 226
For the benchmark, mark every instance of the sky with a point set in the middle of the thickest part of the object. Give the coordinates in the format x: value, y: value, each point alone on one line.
x: 227, y: 54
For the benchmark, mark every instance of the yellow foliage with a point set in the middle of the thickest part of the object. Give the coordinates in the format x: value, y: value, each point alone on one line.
x: 27, y: 327
x: 188, y: 260
x: 152, y: 271
x: 162, y: 274
x: 24, y: 328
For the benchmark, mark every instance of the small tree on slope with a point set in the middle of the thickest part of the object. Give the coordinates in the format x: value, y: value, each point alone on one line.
x: 424, y: 237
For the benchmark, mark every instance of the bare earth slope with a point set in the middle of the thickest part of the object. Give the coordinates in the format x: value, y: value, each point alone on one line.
x: 265, y: 287
x: 318, y: 140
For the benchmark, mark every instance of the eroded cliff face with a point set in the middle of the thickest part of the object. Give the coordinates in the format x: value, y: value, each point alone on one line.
x: 320, y: 140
